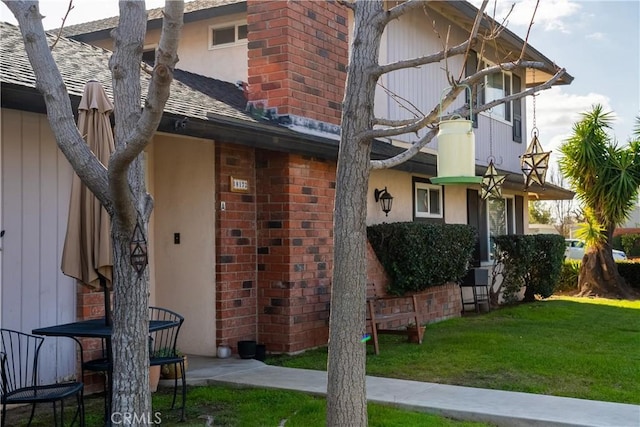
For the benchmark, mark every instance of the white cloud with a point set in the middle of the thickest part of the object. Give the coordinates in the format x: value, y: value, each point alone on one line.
x: 551, y: 14
x: 595, y: 36
x: 557, y: 111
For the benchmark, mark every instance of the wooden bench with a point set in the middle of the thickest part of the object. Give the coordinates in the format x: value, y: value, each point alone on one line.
x: 377, y: 320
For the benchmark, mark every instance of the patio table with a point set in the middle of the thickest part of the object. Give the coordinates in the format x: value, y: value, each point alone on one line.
x: 95, y: 328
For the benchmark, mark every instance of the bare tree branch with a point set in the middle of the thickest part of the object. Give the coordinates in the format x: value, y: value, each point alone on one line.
x: 399, y: 10
x: 402, y: 103
x: 436, y: 57
x: 462, y: 111
x: 60, y: 114
x: 66, y: 15
x: 347, y: 4
x: 526, y: 39
x: 139, y: 135
x: 476, y: 27
x: 433, y: 115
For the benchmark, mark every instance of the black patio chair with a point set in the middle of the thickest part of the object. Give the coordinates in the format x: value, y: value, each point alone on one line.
x: 163, y: 349
x: 103, y: 365
x: 19, y: 354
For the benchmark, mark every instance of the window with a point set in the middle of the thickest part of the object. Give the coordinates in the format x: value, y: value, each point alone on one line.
x: 227, y: 34
x: 427, y: 200
x: 501, y: 85
x: 500, y: 214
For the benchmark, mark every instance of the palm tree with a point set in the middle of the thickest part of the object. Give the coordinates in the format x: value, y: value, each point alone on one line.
x: 605, y: 178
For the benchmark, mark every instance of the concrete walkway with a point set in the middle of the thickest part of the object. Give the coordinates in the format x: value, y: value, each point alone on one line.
x: 501, y: 408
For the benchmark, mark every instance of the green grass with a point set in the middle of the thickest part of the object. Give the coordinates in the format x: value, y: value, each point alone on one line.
x: 243, y: 407
x: 574, y: 347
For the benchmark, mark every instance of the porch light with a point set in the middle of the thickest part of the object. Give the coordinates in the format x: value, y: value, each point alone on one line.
x: 534, y: 163
x: 456, y: 151
x: 385, y: 198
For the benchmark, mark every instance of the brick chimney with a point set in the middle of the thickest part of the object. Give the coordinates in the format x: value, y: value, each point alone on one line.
x: 298, y: 55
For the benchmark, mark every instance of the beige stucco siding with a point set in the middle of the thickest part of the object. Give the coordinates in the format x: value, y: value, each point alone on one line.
x: 224, y: 63
x: 183, y: 175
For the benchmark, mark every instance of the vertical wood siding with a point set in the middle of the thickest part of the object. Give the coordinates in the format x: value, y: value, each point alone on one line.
x: 411, y: 36
x: 36, y: 183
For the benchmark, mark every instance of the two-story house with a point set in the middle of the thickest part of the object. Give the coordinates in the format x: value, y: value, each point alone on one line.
x: 249, y: 182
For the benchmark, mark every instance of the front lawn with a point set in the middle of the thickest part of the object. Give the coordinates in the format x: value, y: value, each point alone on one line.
x: 242, y: 407
x: 574, y: 347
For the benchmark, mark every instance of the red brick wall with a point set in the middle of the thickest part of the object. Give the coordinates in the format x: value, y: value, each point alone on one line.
x: 434, y: 304
x: 295, y: 250
x: 90, y: 305
x: 235, y: 228
x: 298, y: 55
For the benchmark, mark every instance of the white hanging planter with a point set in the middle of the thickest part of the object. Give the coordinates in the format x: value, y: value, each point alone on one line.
x: 456, y: 152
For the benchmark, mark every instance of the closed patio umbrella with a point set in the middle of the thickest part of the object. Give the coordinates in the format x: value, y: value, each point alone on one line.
x: 87, y: 252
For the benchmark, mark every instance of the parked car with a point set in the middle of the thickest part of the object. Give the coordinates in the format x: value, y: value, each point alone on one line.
x: 575, y: 250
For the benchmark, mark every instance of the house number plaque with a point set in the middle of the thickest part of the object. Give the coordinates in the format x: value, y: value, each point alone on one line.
x: 238, y: 185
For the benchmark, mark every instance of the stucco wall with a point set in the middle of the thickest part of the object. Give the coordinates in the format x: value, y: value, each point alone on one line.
x: 223, y: 63
x: 183, y: 171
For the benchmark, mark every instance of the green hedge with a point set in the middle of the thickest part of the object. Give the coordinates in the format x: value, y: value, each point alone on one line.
x: 630, y: 270
x: 419, y: 255
x: 568, y: 280
x: 533, y: 261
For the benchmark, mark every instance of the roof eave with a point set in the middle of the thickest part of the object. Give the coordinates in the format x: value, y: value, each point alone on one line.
x: 153, y: 24
x: 533, y: 79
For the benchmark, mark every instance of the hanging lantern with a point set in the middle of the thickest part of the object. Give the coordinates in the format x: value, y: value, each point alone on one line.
x: 138, y: 246
x: 534, y: 163
x: 456, y: 151
x: 492, y: 183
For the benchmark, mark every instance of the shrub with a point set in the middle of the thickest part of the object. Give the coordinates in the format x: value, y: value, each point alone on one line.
x: 568, y: 279
x: 630, y: 270
x: 532, y: 261
x: 418, y: 255
x: 631, y: 244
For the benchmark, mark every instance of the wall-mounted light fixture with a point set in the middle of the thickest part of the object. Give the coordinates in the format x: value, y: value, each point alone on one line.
x: 385, y: 198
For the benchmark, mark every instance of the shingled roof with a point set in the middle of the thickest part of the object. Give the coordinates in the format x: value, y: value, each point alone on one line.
x: 190, y: 9
x: 192, y: 95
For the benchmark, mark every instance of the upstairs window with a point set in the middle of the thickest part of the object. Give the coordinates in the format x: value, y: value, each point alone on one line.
x: 227, y: 34
x: 498, y: 86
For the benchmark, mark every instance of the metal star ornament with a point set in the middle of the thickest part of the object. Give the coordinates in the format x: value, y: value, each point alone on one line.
x: 492, y: 183
x: 534, y: 163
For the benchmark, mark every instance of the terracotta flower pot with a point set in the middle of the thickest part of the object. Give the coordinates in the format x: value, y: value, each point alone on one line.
x: 174, y: 371
x: 154, y: 378
x: 414, y: 333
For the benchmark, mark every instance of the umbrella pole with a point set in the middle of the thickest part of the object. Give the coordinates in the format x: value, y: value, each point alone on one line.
x: 107, y: 301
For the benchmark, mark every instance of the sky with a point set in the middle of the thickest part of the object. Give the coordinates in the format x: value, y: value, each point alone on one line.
x: 598, y: 42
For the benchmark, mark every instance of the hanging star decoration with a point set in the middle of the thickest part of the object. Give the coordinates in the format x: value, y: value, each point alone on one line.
x: 534, y: 163
x: 492, y: 183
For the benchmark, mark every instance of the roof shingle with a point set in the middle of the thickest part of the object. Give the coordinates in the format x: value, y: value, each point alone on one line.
x: 112, y: 22
x: 192, y: 95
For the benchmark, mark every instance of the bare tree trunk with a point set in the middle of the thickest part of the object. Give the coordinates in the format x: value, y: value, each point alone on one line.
x: 599, y: 273
x: 599, y: 276
x: 130, y: 336
x: 346, y: 392
x: 121, y: 189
